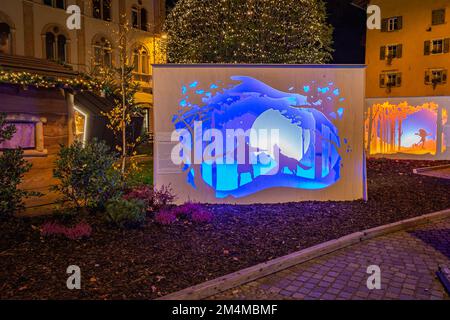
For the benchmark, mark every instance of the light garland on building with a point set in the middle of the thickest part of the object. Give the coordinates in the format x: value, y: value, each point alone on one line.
x: 25, y: 79
x: 249, y: 31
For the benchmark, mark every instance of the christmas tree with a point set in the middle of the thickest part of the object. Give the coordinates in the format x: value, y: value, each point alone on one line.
x: 248, y: 31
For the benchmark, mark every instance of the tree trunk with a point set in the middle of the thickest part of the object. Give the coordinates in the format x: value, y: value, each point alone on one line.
x: 376, y: 122
x: 400, y: 134
x: 369, y: 133
x: 392, y: 148
x: 124, y: 127
x: 439, y: 131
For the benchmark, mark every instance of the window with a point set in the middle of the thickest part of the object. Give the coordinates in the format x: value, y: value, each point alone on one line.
x: 5, y: 38
x: 50, y: 46
x: 60, y: 4
x: 435, y: 76
x: 102, y: 9
x: 102, y: 52
x: 393, y: 79
x: 141, y: 62
x: 146, y: 125
x: 392, y: 24
x: 81, y: 119
x: 391, y: 51
x: 29, y: 134
x: 437, y: 46
x: 438, y: 17
x: 139, y: 18
x: 390, y: 79
x: 55, y: 45
x: 23, y: 138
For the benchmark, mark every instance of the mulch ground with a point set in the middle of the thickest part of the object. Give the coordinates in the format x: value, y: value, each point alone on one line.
x: 156, y: 260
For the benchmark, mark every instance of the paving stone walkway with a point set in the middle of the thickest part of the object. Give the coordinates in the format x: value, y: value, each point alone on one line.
x: 408, y: 262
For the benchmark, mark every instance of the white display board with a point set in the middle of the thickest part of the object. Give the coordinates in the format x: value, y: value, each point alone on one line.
x: 259, y: 134
x: 408, y: 128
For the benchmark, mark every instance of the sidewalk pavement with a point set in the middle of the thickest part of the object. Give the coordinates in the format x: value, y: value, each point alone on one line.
x: 408, y: 261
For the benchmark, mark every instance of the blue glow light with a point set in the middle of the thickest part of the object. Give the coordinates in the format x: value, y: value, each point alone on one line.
x: 305, y: 157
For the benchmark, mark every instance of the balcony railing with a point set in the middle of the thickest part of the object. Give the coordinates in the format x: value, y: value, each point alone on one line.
x: 143, y: 77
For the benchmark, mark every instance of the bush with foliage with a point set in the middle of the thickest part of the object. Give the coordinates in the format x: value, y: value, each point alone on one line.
x: 202, y: 216
x: 79, y: 231
x: 86, y: 174
x: 194, y: 211
x: 12, y: 168
x: 165, y: 217
x: 188, y: 211
x: 153, y: 198
x: 126, y: 213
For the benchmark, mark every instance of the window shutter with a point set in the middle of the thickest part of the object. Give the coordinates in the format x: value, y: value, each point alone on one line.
x: 444, y: 76
x: 384, y: 25
x: 382, y: 80
x: 438, y: 17
x: 427, y: 47
x: 427, y: 77
x: 446, y: 45
x: 382, y: 53
x: 398, y: 80
x: 399, y: 50
x: 400, y: 23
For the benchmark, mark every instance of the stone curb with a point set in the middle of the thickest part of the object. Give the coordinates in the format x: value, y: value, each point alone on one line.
x: 215, y: 286
x: 426, y: 169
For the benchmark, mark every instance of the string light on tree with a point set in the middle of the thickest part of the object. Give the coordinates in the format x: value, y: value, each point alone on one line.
x: 248, y: 31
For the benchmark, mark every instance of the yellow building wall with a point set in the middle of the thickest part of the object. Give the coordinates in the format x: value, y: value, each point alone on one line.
x: 12, y: 11
x: 417, y: 28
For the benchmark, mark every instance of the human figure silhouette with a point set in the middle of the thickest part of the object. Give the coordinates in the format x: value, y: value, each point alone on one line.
x: 423, y: 137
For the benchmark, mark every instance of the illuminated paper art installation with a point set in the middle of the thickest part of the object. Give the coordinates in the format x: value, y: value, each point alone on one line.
x: 247, y: 134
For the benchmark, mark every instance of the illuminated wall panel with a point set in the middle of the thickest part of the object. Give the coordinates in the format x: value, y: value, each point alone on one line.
x: 409, y: 128
x: 248, y: 134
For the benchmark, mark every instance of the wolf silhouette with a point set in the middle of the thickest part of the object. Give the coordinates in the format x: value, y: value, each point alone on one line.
x: 286, y: 162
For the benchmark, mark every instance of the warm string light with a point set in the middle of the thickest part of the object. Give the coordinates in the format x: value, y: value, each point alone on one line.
x: 81, y: 82
x: 248, y: 31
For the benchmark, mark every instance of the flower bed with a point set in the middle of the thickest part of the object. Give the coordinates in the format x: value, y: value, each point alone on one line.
x: 158, y: 259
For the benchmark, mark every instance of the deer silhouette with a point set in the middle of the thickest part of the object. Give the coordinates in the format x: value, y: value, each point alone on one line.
x: 247, y: 166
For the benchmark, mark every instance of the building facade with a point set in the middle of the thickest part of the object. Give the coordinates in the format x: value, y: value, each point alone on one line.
x: 34, y: 38
x: 407, y: 86
x: 410, y: 55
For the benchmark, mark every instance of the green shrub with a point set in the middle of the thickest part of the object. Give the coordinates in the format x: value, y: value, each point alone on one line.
x: 12, y: 168
x: 123, y: 212
x: 87, y: 175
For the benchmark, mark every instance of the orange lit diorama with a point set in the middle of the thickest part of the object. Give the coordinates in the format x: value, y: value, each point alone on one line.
x: 403, y: 128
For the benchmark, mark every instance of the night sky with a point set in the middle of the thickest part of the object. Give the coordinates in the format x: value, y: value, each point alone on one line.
x: 349, y: 25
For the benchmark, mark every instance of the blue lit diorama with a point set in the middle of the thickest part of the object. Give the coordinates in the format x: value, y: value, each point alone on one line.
x: 305, y: 155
